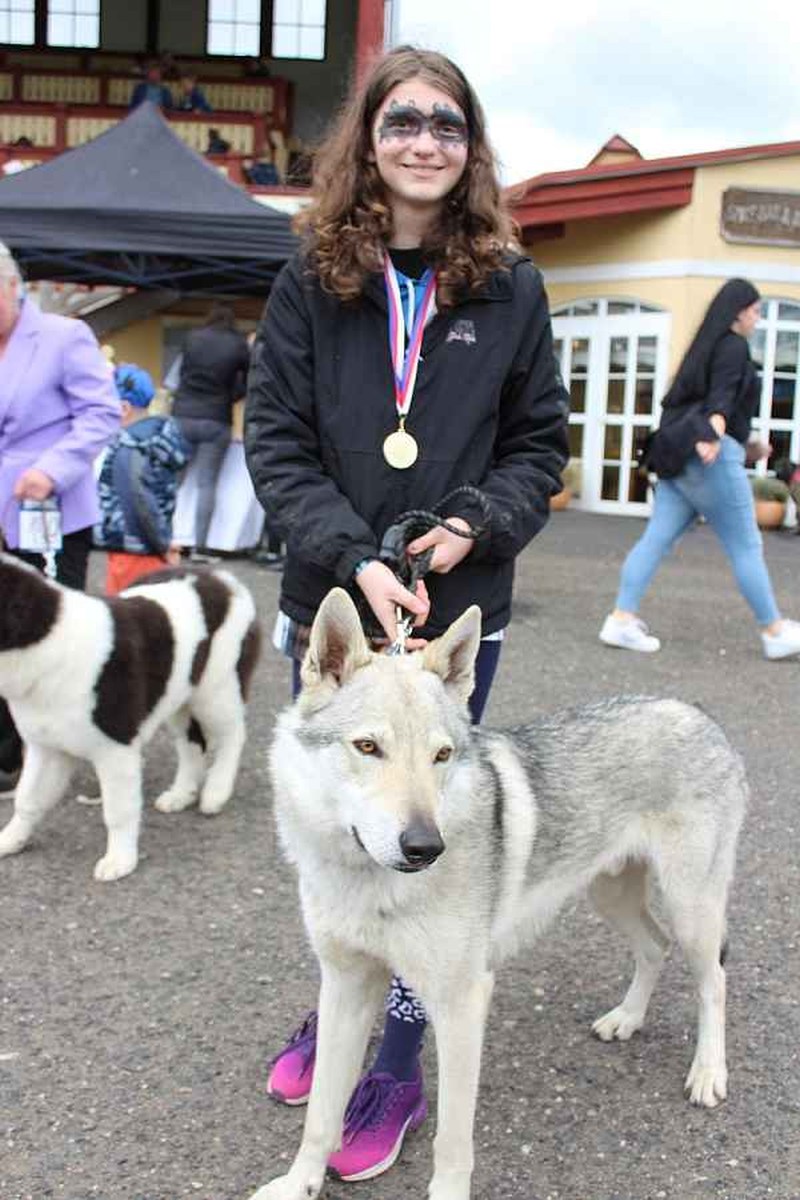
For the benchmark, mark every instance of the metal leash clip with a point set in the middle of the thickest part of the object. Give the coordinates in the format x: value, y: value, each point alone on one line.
x: 405, y: 623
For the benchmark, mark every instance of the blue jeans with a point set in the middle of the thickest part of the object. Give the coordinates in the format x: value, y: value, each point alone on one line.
x: 208, y: 441
x: 720, y: 493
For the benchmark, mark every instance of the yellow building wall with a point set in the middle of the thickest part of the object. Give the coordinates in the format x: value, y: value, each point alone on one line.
x: 140, y: 343
x: 686, y: 235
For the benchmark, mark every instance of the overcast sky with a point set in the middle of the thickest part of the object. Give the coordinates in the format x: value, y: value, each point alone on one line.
x: 558, y: 77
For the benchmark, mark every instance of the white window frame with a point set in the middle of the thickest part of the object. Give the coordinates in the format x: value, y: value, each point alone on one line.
x: 77, y: 8
x: 6, y: 11
x: 599, y: 329
x: 298, y: 25
x: 763, y: 422
x: 253, y: 51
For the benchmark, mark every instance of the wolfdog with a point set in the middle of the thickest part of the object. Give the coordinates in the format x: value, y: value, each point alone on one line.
x: 434, y: 850
x: 91, y: 678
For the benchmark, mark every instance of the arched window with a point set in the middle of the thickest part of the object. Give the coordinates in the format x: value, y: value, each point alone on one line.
x: 775, y: 348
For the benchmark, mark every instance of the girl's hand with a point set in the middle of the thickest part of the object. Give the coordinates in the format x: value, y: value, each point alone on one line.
x: 708, y: 452
x: 383, y: 591
x: 718, y: 424
x: 449, y: 548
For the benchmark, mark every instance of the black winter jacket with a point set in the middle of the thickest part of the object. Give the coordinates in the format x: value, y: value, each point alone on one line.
x: 489, y: 410
x: 733, y: 385
x: 213, y: 373
x: 733, y: 391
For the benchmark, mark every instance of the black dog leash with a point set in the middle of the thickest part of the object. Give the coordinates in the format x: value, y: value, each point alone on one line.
x: 410, y: 568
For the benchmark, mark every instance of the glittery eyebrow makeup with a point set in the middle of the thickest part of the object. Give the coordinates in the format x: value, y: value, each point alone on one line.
x: 406, y: 121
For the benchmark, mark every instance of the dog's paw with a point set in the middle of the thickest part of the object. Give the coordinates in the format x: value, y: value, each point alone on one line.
x: 111, y: 867
x: 707, y: 1084
x: 173, y: 801
x: 456, y: 1187
x: 619, y: 1024
x: 13, y: 838
x: 212, y: 803
x: 287, y: 1188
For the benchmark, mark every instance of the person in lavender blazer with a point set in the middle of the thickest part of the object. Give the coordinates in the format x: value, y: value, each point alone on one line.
x: 58, y: 410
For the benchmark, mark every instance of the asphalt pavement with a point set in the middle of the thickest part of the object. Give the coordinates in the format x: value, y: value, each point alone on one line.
x: 136, y: 1018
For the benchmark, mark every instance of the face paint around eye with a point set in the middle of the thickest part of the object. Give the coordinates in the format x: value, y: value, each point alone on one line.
x: 401, y: 120
x: 405, y: 121
x: 448, y: 125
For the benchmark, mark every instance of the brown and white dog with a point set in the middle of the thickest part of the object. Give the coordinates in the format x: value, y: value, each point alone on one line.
x: 90, y: 678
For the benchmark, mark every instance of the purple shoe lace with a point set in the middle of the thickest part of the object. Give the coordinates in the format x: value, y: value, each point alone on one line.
x: 304, y: 1038
x: 368, y: 1103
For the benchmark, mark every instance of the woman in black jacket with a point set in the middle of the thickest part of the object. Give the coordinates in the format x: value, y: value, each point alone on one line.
x: 699, y: 455
x: 404, y: 361
x: 213, y: 376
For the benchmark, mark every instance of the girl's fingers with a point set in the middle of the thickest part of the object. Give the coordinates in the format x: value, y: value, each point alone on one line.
x: 426, y: 541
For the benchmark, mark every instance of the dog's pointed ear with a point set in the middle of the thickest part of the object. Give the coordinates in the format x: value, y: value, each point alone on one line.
x: 337, y: 646
x: 452, y: 656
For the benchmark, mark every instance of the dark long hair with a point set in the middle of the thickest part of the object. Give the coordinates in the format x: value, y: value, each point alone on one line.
x: 350, y: 219
x: 692, y: 377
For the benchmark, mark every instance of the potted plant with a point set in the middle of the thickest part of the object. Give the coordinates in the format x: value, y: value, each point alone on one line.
x: 571, y: 480
x: 770, y: 496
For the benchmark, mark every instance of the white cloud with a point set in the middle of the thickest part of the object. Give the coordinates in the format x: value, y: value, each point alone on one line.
x: 558, y: 80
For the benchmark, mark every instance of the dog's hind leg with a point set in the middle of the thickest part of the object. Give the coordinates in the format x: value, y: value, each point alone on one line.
x: 622, y: 901
x: 44, y: 779
x: 350, y: 995
x: 699, y: 924
x: 190, y: 745
x: 119, y: 770
x: 223, y: 726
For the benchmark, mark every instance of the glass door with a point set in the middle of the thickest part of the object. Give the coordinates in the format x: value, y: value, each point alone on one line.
x: 613, y: 358
x: 775, y: 349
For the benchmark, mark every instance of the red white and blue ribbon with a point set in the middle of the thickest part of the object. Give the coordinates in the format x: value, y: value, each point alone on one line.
x: 405, y: 362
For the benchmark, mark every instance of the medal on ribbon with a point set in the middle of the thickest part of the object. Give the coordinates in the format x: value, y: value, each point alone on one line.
x: 400, y: 449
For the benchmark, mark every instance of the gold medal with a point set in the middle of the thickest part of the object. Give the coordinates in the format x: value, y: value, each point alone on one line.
x: 400, y: 449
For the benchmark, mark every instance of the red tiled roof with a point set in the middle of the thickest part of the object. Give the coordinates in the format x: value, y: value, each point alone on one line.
x: 606, y: 189
x: 645, y: 165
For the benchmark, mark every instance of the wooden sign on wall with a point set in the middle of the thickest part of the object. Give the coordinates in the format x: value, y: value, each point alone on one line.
x: 769, y: 217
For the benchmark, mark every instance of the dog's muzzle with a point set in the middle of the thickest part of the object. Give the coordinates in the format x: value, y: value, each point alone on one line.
x: 421, y: 844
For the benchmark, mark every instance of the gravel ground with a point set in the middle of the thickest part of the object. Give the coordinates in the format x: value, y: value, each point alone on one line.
x: 136, y: 1017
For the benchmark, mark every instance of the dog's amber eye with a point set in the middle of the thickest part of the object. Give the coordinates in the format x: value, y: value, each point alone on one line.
x: 366, y: 746
x: 444, y: 754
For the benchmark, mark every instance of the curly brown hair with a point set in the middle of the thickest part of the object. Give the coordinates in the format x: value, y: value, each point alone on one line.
x: 350, y: 220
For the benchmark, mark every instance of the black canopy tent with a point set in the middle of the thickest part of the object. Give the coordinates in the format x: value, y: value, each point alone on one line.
x: 138, y: 208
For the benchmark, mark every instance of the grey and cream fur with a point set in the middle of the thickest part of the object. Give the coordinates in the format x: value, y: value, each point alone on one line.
x: 433, y: 850
x: 90, y: 678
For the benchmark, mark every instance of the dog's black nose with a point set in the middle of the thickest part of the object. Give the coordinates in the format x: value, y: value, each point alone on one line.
x: 421, y: 844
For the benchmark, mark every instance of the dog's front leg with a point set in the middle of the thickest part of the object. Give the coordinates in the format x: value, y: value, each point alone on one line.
x: 459, y: 1020
x: 350, y: 995
x: 119, y: 770
x: 44, y: 778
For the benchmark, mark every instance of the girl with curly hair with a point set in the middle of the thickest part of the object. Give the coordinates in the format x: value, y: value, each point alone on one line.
x: 404, y: 361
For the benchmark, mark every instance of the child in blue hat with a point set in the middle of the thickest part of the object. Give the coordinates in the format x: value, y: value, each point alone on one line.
x: 138, y: 485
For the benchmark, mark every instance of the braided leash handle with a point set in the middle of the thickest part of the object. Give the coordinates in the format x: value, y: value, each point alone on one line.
x: 410, y: 568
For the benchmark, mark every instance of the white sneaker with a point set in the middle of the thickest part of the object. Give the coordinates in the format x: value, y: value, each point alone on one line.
x: 783, y: 644
x: 630, y: 634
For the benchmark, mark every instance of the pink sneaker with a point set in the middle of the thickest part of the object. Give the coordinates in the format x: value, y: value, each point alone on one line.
x: 292, y: 1070
x: 380, y: 1112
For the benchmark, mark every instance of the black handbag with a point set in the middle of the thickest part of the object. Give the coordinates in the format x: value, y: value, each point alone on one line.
x: 667, y: 450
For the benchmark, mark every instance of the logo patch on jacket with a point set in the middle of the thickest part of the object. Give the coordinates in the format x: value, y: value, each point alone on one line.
x: 462, y: 331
